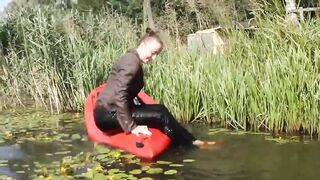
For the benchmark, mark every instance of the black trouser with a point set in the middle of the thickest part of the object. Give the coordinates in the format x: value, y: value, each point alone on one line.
x: 152, y: 115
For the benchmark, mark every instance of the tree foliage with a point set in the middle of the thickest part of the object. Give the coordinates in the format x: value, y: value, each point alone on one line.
x: 181, y: 17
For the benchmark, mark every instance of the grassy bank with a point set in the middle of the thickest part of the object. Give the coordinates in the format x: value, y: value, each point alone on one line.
x: 269, y: 81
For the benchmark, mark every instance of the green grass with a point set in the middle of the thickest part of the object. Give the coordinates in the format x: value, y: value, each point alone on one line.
x: 267, y: 82
x: 58, y: 57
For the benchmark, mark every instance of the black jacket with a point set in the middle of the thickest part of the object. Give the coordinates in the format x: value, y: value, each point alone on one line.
x: 123, y: 84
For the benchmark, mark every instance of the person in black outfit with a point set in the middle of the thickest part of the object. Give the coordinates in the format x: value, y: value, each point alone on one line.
x: 115, y: 106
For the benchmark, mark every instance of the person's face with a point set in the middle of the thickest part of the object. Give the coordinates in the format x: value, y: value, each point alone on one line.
x: 149, y: 50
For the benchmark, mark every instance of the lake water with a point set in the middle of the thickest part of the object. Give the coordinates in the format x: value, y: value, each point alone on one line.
x: 39, y: 145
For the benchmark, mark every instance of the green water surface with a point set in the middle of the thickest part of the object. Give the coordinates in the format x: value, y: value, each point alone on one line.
x: 37, y: 145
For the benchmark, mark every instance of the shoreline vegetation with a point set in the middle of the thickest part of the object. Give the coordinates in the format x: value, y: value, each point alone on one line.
x: 267, y: 81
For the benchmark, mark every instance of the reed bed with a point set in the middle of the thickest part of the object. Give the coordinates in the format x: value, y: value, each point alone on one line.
x: 58, y: 57
x: 266, y: 82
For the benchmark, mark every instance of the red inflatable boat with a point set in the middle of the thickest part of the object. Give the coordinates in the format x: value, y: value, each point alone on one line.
x: 144, y: 146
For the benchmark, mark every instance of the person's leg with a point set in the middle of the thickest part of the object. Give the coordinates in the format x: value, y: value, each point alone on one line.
x: 158, y: 116
x: 105, y: 120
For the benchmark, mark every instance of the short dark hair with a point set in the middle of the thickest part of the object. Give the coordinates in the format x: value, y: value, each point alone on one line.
x: 150, y: 33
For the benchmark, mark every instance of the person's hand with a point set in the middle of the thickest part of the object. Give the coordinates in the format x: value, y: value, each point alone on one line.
x: 141, y: 130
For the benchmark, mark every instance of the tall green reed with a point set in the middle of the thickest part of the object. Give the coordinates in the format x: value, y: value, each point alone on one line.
x: 266, y: 82
x: 58, y: 57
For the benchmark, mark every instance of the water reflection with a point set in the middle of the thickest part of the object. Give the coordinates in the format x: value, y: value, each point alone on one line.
x: 7, y: 172
x: 11, y: 152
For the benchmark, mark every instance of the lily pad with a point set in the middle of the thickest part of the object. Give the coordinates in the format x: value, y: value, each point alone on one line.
x: 102, y: 157
x: 118, y: 176
x: 77, y: 115
x: 146, y: 178
x: 113, y: 171
x: 171, y: 172
x: 100, y: 176
x: 114, y: 154
x: 89, y: 174
x: 23, y: 130
x: 4, y: 177
x: 176, y: 165
x: 66, y: 141
x: 164, y: 162
x: 62, y: 153
x: 75, y: 137
x: 64, y: 135
x: 102, y: 149
x: 68, y: 121
x: 154, y: 171
x: 135, y: 171
x: 66, y: 169
x: 188, y: 160
x: 133, y: 161
x: 128, y: 156
x: 84, y: 138
x: 131, y: 178
x: 145, y: 168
